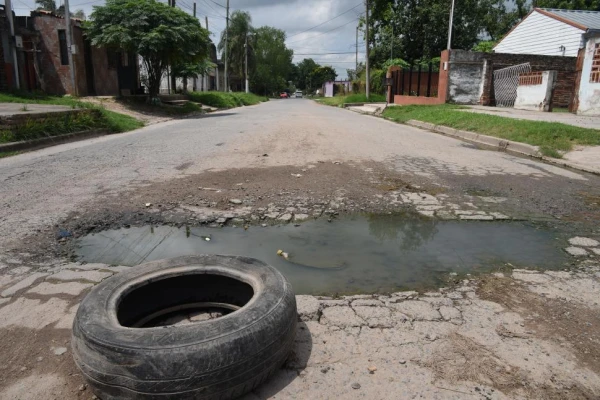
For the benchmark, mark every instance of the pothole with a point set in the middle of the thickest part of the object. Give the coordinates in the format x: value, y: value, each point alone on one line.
x: 354, y: 254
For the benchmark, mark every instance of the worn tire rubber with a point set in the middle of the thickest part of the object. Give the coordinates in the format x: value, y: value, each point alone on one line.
x: 216, y: 359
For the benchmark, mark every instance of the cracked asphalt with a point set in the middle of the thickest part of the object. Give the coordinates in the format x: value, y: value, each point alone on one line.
x: 515, y: 334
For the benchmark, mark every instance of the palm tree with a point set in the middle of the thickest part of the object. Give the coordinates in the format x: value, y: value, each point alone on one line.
x: 240, y: 27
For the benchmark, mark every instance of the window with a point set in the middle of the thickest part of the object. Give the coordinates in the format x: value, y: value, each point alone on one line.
x: 595, y: 74
x: 62, y: 42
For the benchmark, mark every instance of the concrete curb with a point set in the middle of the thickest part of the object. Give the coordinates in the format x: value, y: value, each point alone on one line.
x: 508, y: 146
x: 51, y: 141
x: 346, y: 105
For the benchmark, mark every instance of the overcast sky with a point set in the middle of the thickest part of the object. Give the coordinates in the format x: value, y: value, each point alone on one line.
x: 293, y: 16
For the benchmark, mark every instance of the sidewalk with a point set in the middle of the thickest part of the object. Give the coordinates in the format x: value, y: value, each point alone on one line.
x: 562, y: 117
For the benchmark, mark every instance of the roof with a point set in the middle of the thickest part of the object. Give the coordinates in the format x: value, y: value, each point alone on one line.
x: 578, y: 18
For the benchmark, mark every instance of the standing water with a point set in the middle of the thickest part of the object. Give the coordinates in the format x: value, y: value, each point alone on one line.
x: 361, y: 253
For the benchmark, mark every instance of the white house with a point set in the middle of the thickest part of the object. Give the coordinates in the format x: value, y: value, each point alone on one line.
x: 588, y: 92
x: 551, y: 32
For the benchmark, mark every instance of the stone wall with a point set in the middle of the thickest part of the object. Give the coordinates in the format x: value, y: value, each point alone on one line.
x: 470, y: 80
x: 465, y: 76
x: 565, y: 67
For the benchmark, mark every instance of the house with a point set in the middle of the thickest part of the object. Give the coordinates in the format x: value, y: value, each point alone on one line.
x: 43, y: 64
x: 587, y: 100
x: 331, y: 88
x: 550, y: 32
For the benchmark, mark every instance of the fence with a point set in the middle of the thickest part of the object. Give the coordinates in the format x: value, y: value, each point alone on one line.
x: 416, y: 81
x: 506, y: 81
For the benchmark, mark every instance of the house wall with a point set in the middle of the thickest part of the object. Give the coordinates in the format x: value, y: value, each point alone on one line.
x: 565, y: 67
x: 535, y: 91
x: 106, y: 81
x: 542, y: 35
x: 56, y: 78
x: 589, y: 87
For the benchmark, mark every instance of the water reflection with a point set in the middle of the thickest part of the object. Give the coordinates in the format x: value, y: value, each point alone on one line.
x: 375, y: 253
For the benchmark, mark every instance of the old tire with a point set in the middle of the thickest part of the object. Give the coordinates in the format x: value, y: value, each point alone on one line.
x: 221, y: 358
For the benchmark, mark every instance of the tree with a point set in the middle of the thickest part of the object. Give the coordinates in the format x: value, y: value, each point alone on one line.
x: 485, y: 46
x: 320, y: 75
x: 273, y: 60
x: 354, y: 74
x: 160, y: 34
x: 418, y: 29
x: 240, y: 28
x: 79, y: 14
x: 590, y: 5
x: 46, y: 5
x: 305, y: 68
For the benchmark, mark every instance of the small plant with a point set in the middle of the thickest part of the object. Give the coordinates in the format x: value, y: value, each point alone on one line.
x: 25, y: 107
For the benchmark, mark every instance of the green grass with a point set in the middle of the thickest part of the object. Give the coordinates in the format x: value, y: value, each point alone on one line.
x: 552, y: 138
x: 110, y: 120
x: 9, y: 153
x: 353, y: 98
x: 226, y: 100
x: 119, y: 123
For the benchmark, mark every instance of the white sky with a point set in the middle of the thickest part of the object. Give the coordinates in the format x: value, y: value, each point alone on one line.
x: 292, y: 16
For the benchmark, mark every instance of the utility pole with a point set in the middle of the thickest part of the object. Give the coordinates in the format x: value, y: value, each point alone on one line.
x: 368, y: 83
x: 356, y: 68
x: 195, y: 85
x: 206, y: 77
x: 226, y: 48
x: 247, y: 84
x: 70, y: 46
x: 11, y: 23
x: 392, y: 46
x: 173, y: 80
x: 450, y: 25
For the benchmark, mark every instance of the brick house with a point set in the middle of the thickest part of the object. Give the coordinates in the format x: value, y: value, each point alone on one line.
x: 43, y: 63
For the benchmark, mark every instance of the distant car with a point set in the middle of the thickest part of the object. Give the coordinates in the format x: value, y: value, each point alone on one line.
x: 299, y: 94
x: 284, y: 95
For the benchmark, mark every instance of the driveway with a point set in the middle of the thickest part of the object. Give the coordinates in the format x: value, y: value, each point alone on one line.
x: 506, y: 335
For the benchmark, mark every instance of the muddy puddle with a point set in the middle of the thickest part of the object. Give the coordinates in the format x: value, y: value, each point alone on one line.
x: 350, y: 255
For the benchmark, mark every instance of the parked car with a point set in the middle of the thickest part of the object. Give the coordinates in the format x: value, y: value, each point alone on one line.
x: 284, y: 95
x: 298, y: 94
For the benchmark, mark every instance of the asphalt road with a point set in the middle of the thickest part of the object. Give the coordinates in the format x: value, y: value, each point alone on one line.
x: 41, y: 187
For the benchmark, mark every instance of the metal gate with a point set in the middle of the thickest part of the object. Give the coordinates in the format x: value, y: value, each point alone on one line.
x: 506, y: 81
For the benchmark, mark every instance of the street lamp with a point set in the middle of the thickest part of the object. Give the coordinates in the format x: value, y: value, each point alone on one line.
x: 246, y: 46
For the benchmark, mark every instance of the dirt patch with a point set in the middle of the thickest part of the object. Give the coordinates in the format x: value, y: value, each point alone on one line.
x: 325, y: 189
x: 33, y: 365
x: 561, y: 321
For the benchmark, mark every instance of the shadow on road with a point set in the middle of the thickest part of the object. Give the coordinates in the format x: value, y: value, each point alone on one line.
x: 296, y: 362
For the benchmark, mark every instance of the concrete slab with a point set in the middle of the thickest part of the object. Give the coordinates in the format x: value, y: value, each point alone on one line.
x: 7, y: 109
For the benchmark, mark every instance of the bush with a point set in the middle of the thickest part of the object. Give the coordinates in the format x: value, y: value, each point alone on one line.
x: 225, y: 100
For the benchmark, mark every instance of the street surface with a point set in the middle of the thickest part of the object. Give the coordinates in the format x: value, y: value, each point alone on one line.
x: 509, y: 335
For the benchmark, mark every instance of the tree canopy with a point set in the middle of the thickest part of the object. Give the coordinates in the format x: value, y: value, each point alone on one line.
x: 590, y: 5
x: 273, y: 61
x: 240, y: 29
x: 158, y: 33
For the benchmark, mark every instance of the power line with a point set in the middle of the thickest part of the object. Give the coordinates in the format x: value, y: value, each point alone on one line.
x: 323, y: 33
x: 323, y: 23
x: 322, y: 54
x: 220, y: 5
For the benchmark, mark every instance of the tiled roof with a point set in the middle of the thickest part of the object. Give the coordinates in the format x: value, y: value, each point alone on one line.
x: 588, y: 19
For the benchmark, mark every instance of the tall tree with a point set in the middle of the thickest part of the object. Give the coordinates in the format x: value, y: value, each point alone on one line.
x: 305, y: 68
x: 240, y: 29
x: 160, y: 34
x: 320, y: 75
x: 418, y: 29
x: 273, y: 61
